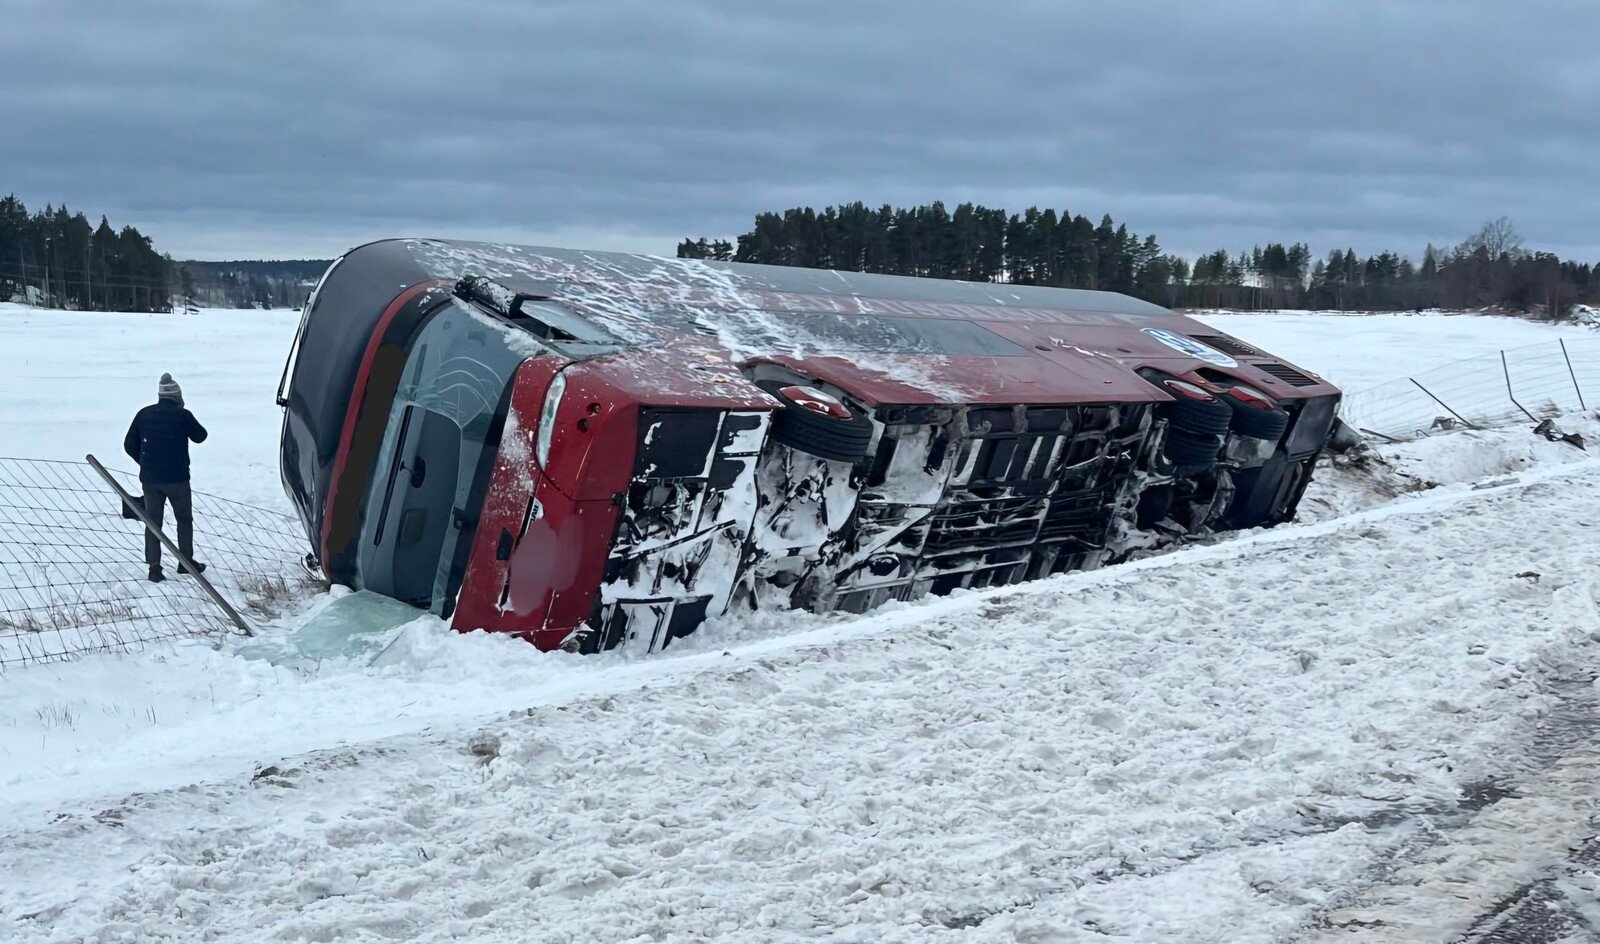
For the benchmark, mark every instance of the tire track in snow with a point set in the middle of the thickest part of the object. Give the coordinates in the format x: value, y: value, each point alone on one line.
x: 1154, y: 752
x: 1524, y: 869
x: 1560, y: 907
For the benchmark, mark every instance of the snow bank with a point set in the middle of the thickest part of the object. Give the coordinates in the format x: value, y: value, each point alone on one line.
x: 191, y: 711
x: 1184, y: 749
x: 1388, y: 471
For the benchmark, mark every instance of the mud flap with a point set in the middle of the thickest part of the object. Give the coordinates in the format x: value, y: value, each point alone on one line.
x: 1263, y: 495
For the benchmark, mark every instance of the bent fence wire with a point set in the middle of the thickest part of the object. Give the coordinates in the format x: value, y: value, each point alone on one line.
x: 72, y: 571
x: 1523, y: 384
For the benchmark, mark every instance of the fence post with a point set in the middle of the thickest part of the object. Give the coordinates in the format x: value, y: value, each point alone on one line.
x: 1506, y: 369
x: 1464, y: 421
x: 183, y: 559
x: 1573, y: 374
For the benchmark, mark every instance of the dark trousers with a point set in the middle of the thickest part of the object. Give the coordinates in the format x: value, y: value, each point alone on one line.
x: 155, y: 498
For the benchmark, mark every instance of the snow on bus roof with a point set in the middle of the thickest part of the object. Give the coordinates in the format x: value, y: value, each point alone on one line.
x: 890, y: 334
x: 650, y: 289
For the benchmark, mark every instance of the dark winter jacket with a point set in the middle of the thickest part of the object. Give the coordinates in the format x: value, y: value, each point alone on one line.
x: 159, y: 441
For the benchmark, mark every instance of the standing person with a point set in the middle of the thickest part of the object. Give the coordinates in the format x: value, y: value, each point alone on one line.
x: 159, y: 441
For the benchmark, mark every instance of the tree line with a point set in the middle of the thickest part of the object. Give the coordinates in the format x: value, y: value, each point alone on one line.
x: 55, y: 258
x: 1488, y: 270
x: 252, y: 283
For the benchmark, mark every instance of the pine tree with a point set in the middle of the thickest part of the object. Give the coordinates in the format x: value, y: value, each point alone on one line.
x: 1108, y: 253
x: 1083, y: 254
x: 694, y: 248
x: 991, y: 258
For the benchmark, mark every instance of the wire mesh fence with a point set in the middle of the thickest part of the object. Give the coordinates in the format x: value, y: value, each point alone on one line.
x: 72, y: 571
x: 1516, y: 385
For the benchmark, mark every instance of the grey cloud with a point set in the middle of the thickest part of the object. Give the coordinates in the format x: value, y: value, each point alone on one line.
x: 295, y: 128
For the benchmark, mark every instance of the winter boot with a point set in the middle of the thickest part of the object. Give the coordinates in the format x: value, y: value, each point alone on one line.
x: 199, y: 568
x: 156, y: 576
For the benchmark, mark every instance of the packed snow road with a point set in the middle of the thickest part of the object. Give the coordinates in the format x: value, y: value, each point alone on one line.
x: 1218, y: 744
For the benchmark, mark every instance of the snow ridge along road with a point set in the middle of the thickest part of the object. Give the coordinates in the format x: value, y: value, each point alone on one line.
x: 107, y: 726
x: 1185, y: 748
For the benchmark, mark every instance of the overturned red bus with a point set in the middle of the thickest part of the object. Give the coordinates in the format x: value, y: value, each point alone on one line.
x: 591, y: 448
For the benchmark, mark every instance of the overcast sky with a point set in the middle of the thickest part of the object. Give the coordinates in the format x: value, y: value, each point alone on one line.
x: 294, y: 128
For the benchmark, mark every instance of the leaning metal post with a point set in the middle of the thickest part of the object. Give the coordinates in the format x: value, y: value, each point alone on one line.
x: 1573, y: 374
x: 1463, y: 419
x: 1509, y: 392
x: 183, y: 559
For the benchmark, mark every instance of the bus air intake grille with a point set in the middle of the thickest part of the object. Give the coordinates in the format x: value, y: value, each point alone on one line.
x: 1286, y: 374
x: 1227, y: 345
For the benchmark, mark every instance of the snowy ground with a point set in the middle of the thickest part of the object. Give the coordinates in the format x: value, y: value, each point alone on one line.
x: 1220, y: 743
x: 1362, y: 351
x: 1186, y: 749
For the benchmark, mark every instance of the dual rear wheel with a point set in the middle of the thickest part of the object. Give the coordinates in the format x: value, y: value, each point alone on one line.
x: 1199, y: 419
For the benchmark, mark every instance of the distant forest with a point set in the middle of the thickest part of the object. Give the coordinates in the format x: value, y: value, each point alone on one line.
x: 252, y: 283
x: 56, y: 258
x: 1488, y: 270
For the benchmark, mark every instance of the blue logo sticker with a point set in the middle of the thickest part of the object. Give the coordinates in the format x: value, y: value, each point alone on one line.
x: 1191, y: 347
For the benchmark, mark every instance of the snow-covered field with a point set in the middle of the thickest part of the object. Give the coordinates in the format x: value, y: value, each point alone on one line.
x: 1358, y: 352
x: 73, y: 381
x: 1218, y: 743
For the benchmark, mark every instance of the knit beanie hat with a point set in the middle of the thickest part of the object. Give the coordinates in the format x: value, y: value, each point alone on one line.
x: 168, y: 389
